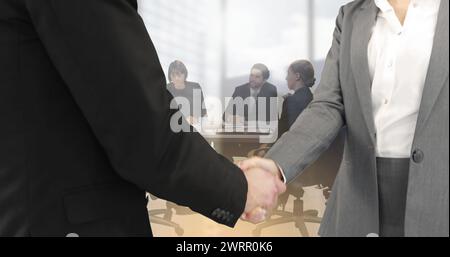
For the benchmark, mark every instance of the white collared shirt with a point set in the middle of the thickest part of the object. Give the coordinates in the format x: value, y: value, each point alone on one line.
x: 399, y: 57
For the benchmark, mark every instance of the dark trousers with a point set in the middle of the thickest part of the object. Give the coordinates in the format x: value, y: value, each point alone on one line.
x: 393, y: 177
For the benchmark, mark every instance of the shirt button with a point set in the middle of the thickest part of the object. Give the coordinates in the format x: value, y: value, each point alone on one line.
x: 386, y: 101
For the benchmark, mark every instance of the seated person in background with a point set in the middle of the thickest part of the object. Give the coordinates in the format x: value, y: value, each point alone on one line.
x: 300, y: 78
x: 180, y: 88
x: 258, y: 88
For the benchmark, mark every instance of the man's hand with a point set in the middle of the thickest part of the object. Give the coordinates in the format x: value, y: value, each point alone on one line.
x: 265, y: 164
x: 264, y: 187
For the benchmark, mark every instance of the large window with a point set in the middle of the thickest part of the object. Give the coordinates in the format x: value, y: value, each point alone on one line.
x: 219, y: 40
x: 187, y: 30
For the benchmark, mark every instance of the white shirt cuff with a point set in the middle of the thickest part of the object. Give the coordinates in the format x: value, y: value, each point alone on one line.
x: 282, y: 173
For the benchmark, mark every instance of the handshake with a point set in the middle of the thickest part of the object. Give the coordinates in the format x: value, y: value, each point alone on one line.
x: 265, y: 184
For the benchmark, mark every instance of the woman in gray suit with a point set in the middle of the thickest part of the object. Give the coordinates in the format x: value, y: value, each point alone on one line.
x: 386, y: 81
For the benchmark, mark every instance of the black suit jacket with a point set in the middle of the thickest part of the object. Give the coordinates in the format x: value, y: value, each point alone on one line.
x: 188, y: 93
x: 293, y: 106
x: 267, y: 91
x: 85, y: 130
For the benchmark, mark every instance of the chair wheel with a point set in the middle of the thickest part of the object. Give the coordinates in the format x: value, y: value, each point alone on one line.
x: 179, y: 231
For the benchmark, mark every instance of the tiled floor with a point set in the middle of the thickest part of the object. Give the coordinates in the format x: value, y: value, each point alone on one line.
x: 195, y: 225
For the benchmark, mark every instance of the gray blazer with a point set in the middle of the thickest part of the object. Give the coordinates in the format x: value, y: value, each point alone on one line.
x: 343, y: 98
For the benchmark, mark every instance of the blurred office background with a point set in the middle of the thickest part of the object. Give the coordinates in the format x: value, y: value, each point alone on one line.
x: 219, y: 41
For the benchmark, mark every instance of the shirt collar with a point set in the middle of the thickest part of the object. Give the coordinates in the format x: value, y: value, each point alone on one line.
x: 384, y: 5
x: 255, y: 90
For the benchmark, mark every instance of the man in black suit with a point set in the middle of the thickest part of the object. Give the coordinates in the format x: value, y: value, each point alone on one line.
x: 260, y: 90
x: 85, y: 128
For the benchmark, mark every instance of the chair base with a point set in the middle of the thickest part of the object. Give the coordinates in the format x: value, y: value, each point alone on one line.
x: 299, y: 217
x: 165, y: 220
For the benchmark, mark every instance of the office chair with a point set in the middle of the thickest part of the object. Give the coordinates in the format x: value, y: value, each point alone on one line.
x: 322, y: 174
x: 298, y: 216
x: 164, y: 216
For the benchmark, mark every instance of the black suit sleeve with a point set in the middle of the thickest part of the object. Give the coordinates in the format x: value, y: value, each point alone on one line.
x: 103, y: 52
x: 275, y: 92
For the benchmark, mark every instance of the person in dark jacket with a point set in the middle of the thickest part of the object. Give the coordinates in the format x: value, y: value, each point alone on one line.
x: 85, y: 128
x: 259, y: 89
x: 300, y: 79
x: 186, y: 92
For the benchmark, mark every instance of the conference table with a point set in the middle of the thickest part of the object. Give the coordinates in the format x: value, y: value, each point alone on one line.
x: 234, y: 141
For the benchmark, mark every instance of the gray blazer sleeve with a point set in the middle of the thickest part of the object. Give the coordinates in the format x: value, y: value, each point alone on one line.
x: 319, y: 124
